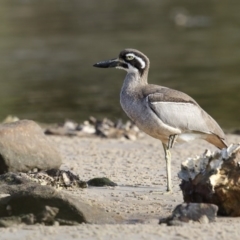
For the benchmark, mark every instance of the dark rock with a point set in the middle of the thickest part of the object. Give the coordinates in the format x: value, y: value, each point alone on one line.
x: 214, y: 178
x: 100, y: 182
x: 191, y: 212
x: 23, y: 147
x: 31, y: 203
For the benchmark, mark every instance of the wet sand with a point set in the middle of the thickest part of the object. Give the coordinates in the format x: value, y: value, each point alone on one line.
x: 138, y: 167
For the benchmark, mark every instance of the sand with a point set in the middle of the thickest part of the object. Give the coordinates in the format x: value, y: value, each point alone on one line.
x: 138, y: 167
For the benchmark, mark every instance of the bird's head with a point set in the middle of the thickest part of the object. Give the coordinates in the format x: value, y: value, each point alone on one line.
x: 130, y: 60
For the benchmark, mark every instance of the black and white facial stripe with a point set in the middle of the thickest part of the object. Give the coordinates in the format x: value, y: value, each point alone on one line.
x: 135, y: 61
x: 132, y: 56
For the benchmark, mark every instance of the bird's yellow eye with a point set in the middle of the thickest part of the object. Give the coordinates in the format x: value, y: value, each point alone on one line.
x: 129, y: 57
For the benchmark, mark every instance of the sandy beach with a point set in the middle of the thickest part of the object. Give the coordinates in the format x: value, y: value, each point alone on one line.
x: 138, y: 167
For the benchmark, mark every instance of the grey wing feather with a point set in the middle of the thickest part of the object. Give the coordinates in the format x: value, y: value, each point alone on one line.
x: 178, y: 110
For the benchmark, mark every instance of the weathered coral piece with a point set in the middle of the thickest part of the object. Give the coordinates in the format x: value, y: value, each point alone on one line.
x: 214, y: 178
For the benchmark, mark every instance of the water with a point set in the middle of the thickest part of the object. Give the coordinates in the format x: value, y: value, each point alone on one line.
x: 48, y: 47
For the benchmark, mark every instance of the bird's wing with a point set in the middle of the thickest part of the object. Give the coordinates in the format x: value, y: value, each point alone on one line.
x: 180, y: 111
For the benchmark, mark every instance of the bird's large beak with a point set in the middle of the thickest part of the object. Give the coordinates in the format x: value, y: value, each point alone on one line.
x: 109, y: 63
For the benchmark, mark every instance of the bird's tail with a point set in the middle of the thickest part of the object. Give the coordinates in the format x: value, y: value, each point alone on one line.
x: 216, y: 141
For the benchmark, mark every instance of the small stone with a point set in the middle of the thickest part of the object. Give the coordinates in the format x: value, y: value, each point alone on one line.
x: 100, y: 182
x: 70, y: 125
x: 187, y: 212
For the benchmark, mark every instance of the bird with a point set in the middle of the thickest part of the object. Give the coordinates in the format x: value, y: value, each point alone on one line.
x: 168, y: 115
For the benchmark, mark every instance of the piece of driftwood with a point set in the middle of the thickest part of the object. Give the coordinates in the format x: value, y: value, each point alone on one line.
x: 214, y: 178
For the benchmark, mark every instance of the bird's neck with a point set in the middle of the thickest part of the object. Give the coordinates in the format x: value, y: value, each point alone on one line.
x: 133, y: 80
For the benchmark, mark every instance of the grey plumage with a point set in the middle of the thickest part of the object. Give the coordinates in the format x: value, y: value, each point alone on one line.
x: 165, y: 114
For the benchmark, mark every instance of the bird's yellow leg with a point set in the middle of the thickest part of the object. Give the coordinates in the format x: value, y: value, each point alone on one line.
x: 168, y: 166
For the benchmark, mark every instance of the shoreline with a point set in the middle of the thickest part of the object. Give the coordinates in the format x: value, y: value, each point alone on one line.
x: 138, y: 167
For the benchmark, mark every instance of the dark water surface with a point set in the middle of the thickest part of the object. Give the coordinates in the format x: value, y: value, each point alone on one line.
x: 48, y: 47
